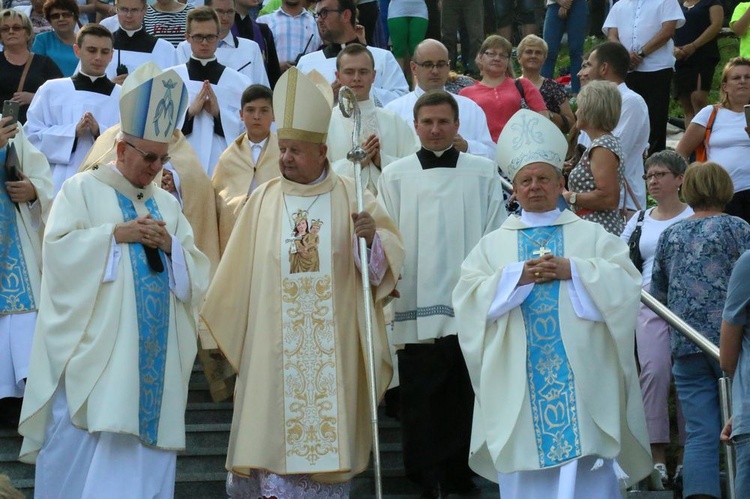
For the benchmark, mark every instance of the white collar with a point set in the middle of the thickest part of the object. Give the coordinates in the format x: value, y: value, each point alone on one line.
x: 440, y: 153
x: 540, y: 219
x: 93, y: 78
x: 262, y: 143
x: 131, y: 32
x: 419, y: 92
x: 203, y: 61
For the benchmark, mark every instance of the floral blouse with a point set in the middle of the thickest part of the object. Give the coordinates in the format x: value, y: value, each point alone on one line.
x: 694, y: 259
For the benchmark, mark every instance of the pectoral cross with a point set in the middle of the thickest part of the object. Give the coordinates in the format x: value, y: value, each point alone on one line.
x: 541, y: 252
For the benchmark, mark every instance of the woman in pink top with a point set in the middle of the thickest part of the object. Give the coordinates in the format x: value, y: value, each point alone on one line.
x: 498, y: 92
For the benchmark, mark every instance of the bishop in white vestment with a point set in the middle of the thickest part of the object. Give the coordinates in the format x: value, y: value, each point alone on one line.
x: 104, y: 408
x: 546, y: 308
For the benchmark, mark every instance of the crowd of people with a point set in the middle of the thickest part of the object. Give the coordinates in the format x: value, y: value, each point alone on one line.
x: 176, y: 184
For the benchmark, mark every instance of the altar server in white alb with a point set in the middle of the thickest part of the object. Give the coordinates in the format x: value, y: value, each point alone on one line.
x: 240, y: 54
x: 104, y: 410
x: 25, y: 200
x: 384, y: 135
x: 133, y: 45
x: 430, y: 67
x: 336, y: 25
x: 443, y: 202
x: 546, y: 309
x: 68, y: 114
x: 212, y: 120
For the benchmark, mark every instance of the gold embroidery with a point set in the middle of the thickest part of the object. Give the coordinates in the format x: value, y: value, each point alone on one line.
x: 310, y: 379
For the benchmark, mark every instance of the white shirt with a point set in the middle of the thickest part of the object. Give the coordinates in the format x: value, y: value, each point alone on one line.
x: 637, y: 21
x: 728, y: 145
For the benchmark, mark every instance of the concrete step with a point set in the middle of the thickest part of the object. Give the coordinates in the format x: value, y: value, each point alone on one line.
x: 208, y: 412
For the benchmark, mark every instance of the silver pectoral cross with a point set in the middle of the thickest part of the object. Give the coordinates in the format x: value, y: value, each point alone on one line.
x: 541, y: 252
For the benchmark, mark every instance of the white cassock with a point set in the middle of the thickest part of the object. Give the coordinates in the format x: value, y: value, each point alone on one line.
x: 209, y: 145
x: 133, y: 48
x: 240, y: 54
x: 105, y: 401
x: 55, y: 111
x: 397, y: 140
x: 473, y: 122
x: 558, y: 407
x: 441, y: 213
x: 21, y: 246
x: 390, y: 82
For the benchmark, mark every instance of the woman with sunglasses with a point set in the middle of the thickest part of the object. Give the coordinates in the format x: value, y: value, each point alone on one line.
x: 16, y: 34
x: 58, y: 43
x: 665, y: 172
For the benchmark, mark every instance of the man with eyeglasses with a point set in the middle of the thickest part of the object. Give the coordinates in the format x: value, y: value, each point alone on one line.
x: 294, y: 31
x: 68, y: 114
x: 430, y: 66
x: 212, y: 120
x: 114, y: 345
x: 133, y: 45
x: 240, y: 54
x: 246, y: 27
x: 336, y: 23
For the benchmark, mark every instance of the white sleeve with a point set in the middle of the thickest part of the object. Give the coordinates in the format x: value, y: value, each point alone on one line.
x: 179, y: 278
x: 582, y: 303
x: 508, y: 295
x: 110, y: 271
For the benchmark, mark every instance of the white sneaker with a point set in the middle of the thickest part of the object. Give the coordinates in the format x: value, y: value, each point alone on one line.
x: 659, y: 477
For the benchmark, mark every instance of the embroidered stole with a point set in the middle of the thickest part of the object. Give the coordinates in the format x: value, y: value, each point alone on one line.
x: 310, y: 369
x: 550, y: 376
x: 152, y: 302
x: 16, y: 295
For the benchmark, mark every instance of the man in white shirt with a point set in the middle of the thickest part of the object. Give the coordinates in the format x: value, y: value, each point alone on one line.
x: 430, y: 66
x: 294, y: 31
x: 384, y: 135
x: 336, y: 25
x: 609, y: 61
x: 645, y: 28
x: 240, y: 54
x: 68, y: 114
x: 212, y: 120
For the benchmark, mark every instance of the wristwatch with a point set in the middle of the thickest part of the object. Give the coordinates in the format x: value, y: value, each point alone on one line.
x: 641, y: 53
x: 572, y: 198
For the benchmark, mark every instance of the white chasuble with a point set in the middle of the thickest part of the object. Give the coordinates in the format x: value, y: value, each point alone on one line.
x: 311, y: 375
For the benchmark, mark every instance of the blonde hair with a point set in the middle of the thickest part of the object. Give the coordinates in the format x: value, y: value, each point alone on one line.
x: 500, y: 43
x: 531, y: 41
x: 707, y: 185
x: 728, y: 67
x: 10, y: 14
x: 599, y: 105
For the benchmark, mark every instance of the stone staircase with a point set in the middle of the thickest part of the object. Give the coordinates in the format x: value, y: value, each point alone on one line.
x: 200, y: 469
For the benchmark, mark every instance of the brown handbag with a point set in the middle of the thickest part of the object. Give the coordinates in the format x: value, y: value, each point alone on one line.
x: 701, y: 152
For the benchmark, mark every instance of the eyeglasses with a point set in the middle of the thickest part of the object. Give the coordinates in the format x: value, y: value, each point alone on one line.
x: 127, y: 12
x: 432, y: 65
x: 15, y: 27
x: 150, y: 157
x: 656, y: 175
x: 60, y: 15
x: 204, y: 38
x: 492, y: 55
x: 324, y: 13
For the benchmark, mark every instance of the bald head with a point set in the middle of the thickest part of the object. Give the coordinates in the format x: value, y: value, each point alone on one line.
x: 430, y: 65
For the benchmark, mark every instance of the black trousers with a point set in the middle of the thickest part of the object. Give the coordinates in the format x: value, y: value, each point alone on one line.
x: 654, y: 87
x: 369, y: 16
x: 739, y: 206
x: 437, y: 404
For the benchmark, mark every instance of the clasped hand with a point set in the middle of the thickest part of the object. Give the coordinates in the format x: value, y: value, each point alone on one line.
x: 545, y: 269
x: 145, y: 230
x: 364, y: 226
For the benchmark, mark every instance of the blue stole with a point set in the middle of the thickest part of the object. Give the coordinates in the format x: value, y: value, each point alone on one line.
x: 152, y: 302
x: 16, y: 296
x: 550, y: 376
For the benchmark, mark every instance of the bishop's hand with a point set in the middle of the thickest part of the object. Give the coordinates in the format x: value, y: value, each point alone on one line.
x: 545, y: 269
x: 145, y: 230
x: 364, y: 226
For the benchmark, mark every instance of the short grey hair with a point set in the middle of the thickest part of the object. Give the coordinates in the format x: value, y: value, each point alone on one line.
x: 674, y: 162
x: 599, y: 105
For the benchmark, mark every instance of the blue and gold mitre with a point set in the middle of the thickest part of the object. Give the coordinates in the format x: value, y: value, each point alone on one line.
x: 152, y: 103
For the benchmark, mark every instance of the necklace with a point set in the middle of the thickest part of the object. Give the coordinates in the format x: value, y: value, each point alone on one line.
x: 299, y: 215
x: 543, y: 250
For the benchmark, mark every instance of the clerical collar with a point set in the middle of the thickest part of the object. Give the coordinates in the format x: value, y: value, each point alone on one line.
x: 87, y: 83
x: 321, y: 178
x: 131, y: 32
x: 134, y: 41
x: 540, y: 219
x: 447, y: 158
x: 203, y: 62
x: 332, y: 50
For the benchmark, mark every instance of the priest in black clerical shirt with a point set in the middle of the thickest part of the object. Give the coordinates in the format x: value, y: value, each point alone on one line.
x: 133, y: 45
x: 246, y: 27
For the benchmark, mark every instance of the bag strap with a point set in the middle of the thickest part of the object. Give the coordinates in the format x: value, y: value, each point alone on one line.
x: 710, y: 124
x: 25, y: 72
x: 520, y: 88
x: 632, y: 196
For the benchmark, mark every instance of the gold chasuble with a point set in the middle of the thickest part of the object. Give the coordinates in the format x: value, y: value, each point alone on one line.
x: 292, y: 326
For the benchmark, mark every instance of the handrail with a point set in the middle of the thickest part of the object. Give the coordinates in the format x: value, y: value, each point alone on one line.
x: 680, y: 325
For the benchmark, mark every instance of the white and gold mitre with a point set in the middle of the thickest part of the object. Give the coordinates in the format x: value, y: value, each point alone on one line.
x: 302, y: 111
x: 527, y: 138
x: 152, y: 102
